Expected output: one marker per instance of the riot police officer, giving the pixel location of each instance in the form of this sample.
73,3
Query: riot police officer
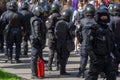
27,15
50,23
13,31
114,24
43,4
3,24
62,34
37,38
85,23
100,46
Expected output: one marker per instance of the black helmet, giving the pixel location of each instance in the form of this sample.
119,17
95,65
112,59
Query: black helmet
13,6
8,5
55,8
38,11
116,9
67,14
90,10
103,7
101,13
24,5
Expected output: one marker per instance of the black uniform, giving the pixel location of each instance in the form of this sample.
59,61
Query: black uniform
50,23
114,25
62,35
37,39
27,15
100,45
85,23
3,24
13,31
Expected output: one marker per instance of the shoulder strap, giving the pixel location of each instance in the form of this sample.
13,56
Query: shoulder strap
9,22
7,28
69,29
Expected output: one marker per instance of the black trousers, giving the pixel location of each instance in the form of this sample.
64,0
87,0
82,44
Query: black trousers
14,37
63,55
1,41
102,65
25,43
83,58
52,54
35,53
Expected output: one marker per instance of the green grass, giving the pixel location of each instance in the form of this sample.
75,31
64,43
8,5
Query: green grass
7,76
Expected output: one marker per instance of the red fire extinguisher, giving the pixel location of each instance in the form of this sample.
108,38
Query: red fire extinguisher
40,68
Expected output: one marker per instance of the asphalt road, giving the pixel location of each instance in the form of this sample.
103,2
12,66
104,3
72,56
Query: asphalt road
23,69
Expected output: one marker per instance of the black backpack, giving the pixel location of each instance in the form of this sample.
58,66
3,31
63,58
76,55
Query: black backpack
61,30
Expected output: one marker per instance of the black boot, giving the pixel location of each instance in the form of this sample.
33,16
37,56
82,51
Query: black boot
45,61
63,70
80,73
57,67
26,51
34,77
18,61
118,73
1,47
9,55
49,68
9,60
64,73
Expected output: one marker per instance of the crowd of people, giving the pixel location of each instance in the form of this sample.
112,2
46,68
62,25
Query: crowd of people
91,25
